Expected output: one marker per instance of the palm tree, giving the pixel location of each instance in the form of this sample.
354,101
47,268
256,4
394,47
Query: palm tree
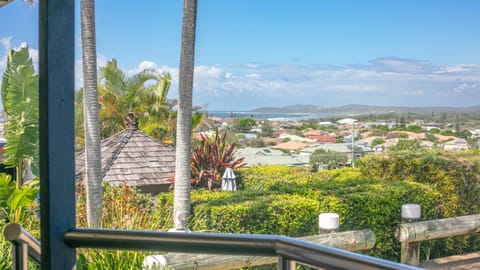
181,205
93,183
120,94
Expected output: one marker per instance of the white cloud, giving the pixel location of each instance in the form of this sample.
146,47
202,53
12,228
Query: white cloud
355,87
383,81
101,61
6,42
400,65
253,75
467,88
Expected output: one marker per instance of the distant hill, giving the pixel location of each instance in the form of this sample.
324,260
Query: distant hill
361,109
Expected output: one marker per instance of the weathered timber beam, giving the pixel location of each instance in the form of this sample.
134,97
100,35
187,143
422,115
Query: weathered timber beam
351,241
437,228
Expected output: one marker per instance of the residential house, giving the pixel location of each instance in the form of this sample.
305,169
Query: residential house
295,138
267,156
291,145
457,144
323,138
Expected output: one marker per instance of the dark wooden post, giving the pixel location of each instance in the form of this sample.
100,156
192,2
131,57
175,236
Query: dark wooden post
410,251
57,152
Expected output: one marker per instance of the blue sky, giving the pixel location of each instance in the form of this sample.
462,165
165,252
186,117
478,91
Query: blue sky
253,53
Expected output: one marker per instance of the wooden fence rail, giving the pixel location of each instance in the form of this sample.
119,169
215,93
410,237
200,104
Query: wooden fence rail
412,233
350,240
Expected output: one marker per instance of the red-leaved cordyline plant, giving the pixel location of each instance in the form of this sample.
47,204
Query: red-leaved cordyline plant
211,158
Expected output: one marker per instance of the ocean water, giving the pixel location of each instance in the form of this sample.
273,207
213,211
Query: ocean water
269,116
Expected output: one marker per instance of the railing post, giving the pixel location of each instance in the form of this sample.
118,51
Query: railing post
57,131
20,256
284,263
410,251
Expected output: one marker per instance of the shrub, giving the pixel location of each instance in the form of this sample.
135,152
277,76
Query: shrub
377,141
287,201
210,159
454,176
125,209
327,157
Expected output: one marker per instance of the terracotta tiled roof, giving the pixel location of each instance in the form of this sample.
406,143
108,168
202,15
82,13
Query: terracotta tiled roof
134,157
320,138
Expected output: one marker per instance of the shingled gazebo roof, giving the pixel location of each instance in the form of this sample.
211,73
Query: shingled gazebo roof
133,157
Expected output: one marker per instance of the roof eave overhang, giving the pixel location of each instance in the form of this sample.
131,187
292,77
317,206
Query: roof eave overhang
4,2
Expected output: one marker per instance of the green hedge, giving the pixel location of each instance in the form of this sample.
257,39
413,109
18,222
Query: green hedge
287,201
454,175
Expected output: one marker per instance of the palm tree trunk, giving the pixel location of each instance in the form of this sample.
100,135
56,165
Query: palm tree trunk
90,104
181,205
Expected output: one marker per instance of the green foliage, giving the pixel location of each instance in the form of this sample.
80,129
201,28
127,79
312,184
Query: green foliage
282,200
243,124
454,175
14,200
120,94
256,143
327,157
380,130
31,223
414,128
447,132
431,138
461,134
125,208
376,142
267,130
19,93
210,158
406,145
20,99
22,197
7,186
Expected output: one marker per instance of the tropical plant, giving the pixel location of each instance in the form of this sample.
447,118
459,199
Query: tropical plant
20,97
13,199
93,181
211,158
181,206
20,100
124,208
120,94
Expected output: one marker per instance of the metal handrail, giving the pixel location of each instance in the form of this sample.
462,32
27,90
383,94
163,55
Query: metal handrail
286,248
24,245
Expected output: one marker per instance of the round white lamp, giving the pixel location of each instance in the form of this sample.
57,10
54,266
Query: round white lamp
328,222
411,211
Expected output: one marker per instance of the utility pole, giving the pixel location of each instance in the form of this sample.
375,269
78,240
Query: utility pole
353,143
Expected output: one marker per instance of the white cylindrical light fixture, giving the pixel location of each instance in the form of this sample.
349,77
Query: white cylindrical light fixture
328,222
411,211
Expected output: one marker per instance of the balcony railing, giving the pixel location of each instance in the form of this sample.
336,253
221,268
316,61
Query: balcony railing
24,246
285,248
